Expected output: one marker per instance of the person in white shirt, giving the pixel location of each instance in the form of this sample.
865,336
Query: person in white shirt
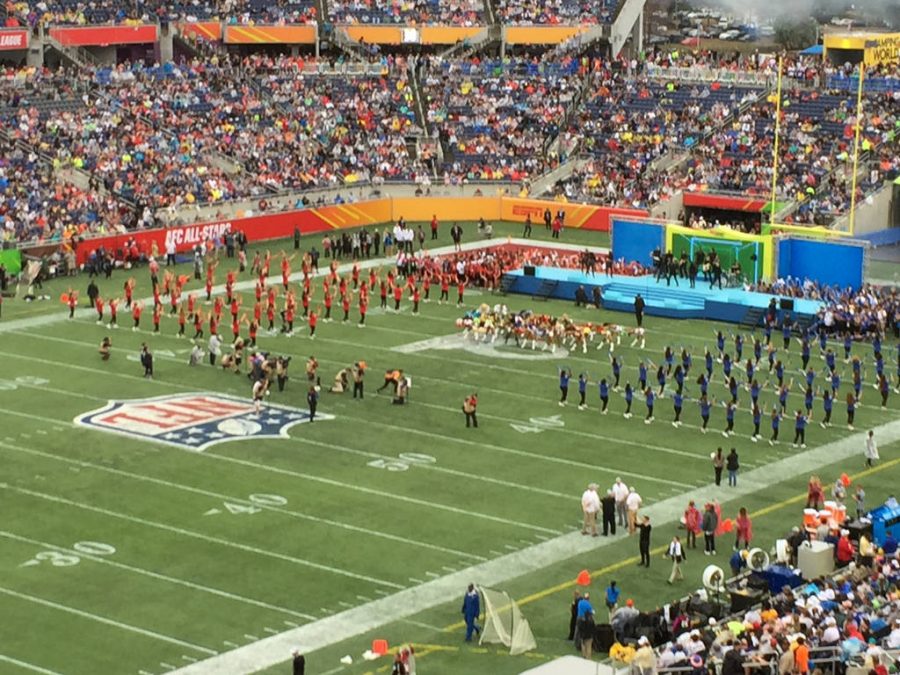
676,553
590,506
871,449
214,348
632,503
196,355
893,640
620,492
831,635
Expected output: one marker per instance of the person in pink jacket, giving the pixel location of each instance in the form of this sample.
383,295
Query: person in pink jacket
744,527
692,520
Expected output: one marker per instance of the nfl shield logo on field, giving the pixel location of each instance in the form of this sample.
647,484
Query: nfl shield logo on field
194,421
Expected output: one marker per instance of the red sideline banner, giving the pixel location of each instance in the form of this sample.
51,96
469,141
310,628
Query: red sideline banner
104,36
13,38
186,237
724,202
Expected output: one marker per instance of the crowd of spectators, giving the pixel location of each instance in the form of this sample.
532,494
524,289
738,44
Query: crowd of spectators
81,12
219,127
496,118
36,206
556,12
407,12
870,309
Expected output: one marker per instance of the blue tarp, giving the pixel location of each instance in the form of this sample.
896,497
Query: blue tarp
815,50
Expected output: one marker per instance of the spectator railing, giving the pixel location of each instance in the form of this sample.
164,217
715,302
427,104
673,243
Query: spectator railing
741,78
873,85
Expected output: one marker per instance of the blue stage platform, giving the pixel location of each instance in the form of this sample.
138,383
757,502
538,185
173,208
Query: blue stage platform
676,302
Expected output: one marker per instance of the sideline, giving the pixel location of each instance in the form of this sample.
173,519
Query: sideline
370,616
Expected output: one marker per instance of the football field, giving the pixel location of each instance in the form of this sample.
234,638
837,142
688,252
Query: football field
154,525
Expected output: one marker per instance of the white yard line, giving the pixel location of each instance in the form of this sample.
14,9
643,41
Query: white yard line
319,479
339,627
202,537
109,622
27,666
158,577
219,496
250,284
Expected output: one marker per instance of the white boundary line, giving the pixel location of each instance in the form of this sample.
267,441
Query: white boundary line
322,480
27,666
109,622
365,618
216,495
157,576
200,536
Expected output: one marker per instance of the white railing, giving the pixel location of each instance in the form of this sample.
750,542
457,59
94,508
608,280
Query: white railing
741,78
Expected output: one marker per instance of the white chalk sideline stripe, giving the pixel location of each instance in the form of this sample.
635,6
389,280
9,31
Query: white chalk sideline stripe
27,666
365,618
325,481
156,575
109,622
200,536
216,495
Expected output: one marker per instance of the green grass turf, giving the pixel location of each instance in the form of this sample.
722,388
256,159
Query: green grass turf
181,582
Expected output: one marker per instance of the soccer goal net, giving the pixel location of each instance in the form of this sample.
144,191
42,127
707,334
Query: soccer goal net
504,623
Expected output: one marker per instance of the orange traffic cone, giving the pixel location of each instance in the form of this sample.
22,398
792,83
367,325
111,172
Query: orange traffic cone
583,578
380,647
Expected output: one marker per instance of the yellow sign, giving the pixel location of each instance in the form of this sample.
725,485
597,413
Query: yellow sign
882,49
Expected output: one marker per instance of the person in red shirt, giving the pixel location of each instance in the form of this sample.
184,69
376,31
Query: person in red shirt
213,324
434,227
384,290
329,300
113,313
288,317
363,307
157,313
417,296
313,322
236,328
398,295
460,288
270,316
426,285
209,286
98,305
235,307
345,305
136,310
182,320
217,307
445,289
191,303
373,279
198,325
845,551
174,298
557,228
259,291
253,329
304,300
129,292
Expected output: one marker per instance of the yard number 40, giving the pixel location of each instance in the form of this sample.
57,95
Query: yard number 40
538,424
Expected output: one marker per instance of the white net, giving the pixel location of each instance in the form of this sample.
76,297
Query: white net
504,623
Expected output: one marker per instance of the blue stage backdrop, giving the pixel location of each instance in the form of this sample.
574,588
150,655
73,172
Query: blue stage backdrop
635,240
827,262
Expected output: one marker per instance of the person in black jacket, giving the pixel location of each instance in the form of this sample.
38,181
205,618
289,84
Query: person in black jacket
639,309
608,507
644,541
733,663
312,401
732,463
147,361
573,620
299,663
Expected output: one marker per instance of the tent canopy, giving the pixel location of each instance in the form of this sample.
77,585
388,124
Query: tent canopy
815,50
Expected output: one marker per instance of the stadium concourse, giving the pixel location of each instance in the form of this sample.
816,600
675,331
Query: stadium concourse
230,449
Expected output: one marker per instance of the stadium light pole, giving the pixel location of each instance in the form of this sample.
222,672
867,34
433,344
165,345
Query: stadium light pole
777,137
859,113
